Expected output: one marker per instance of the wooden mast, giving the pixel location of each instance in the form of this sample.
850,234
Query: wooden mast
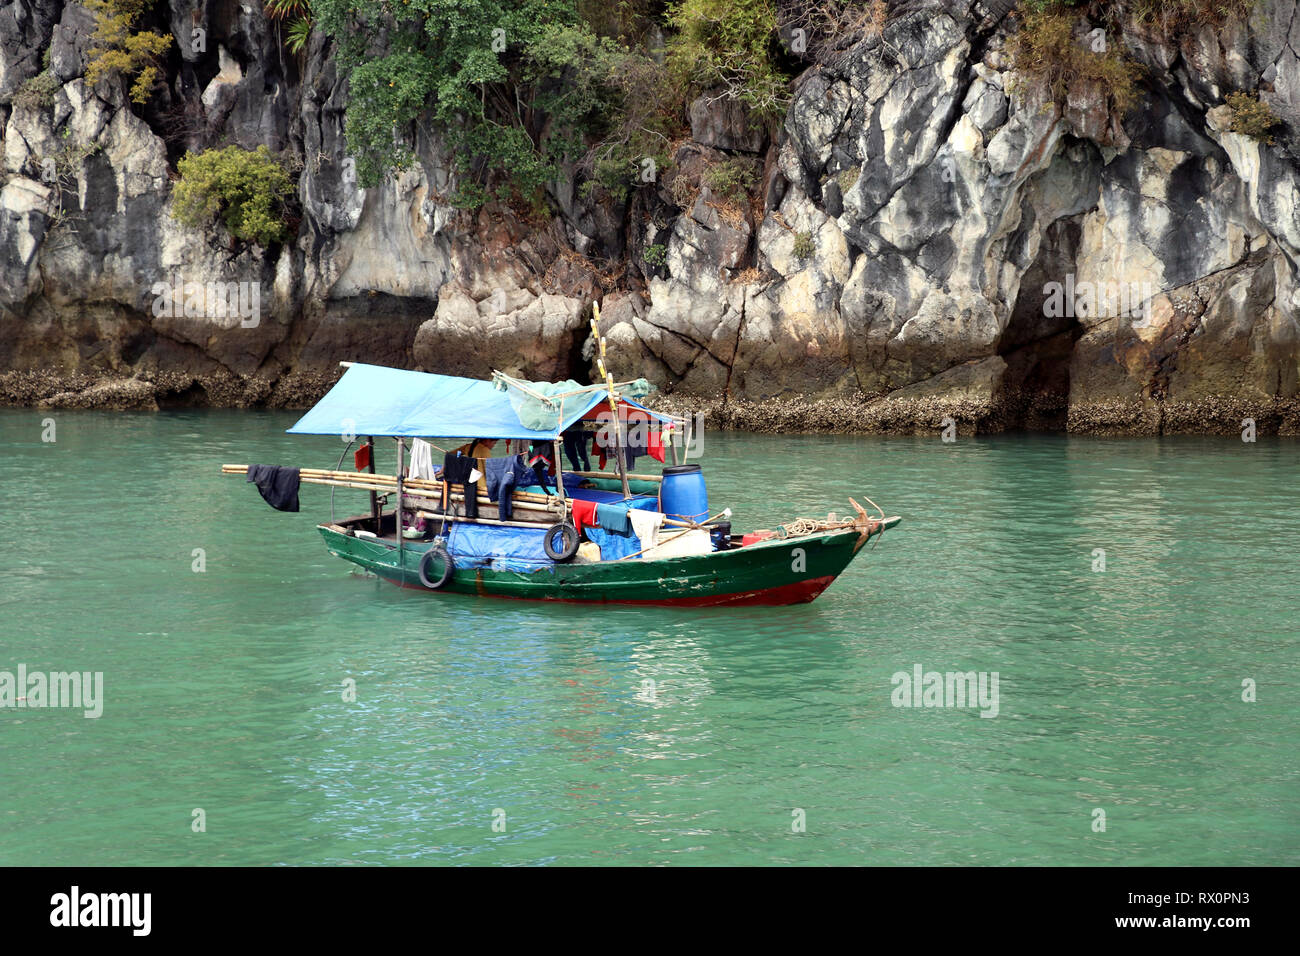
620,439
374,497
401,448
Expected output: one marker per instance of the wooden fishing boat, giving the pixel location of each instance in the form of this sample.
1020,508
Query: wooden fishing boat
435,538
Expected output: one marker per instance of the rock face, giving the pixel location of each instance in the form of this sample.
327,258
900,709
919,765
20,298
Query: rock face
924,237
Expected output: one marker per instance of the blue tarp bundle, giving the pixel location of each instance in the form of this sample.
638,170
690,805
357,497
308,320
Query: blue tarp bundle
374,400
498,548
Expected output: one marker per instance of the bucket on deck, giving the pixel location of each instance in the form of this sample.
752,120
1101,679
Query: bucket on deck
683,495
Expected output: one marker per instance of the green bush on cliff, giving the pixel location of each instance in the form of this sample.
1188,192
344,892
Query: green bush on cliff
729,45
298,13
1050,49
655,254
731,179
247,189
1046,50
1252,117
1166,18
519,89
1171,17
119,48
38,92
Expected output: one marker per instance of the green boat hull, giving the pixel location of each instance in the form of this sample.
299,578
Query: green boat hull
791,571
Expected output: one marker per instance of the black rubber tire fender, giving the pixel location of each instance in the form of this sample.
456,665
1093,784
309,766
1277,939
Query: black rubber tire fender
427,561
569,542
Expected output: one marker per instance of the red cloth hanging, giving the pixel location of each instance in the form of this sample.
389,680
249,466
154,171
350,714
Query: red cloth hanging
656,446
584,513
362,457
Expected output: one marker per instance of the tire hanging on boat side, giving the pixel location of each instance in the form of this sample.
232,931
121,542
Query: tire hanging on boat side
568,542
438,550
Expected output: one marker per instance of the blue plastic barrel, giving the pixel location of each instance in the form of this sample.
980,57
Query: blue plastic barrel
682,494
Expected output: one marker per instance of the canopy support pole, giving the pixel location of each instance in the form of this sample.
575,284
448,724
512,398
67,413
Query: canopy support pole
401,448
618,455
374,497
559,470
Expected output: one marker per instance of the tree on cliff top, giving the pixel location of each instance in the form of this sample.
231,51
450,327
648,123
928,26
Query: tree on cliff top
518,88
513,84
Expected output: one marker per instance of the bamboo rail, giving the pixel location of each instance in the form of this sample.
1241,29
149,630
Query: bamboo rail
528,501
421,492
614,475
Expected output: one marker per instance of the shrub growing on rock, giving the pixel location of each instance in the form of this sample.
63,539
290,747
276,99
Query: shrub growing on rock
1047,51
1172,17
731,179
298,15
803,245
38,92
728,45
1252,117
247,189
118,48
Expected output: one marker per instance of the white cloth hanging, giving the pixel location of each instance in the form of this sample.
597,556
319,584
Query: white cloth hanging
421,459
645,525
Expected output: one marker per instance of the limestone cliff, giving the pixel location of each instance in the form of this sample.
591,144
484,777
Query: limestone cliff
916,211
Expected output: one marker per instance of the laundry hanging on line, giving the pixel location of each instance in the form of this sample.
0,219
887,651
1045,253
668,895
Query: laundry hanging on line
645,525
584,514
459,470
503,476
421,460
277,484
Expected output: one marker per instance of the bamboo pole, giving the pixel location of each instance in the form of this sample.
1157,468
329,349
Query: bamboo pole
362,482
559,472
724,512
401,447
620,457
635,476
375,512
613,400
389,483
491,521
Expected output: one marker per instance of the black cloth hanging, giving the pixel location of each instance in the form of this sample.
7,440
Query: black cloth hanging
539,460
503,476
456,470
278,485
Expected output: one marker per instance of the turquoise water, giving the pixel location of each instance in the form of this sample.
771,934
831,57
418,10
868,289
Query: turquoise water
1119,690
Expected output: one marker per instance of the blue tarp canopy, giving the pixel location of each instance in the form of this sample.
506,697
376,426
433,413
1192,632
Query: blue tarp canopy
374,400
